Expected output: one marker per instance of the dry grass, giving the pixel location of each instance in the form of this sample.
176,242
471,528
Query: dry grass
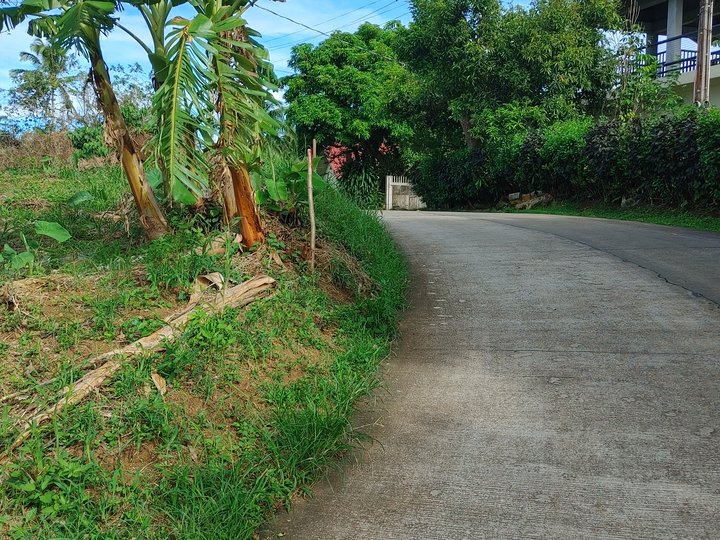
37,149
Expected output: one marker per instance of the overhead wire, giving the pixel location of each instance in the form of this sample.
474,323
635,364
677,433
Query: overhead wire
364,17
312,38
326,34
368,16
306,40
326,21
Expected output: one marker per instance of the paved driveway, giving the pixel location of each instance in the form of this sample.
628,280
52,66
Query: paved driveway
556,378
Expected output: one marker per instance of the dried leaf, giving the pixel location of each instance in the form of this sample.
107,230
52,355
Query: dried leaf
276,258
160,383
217,245
203,283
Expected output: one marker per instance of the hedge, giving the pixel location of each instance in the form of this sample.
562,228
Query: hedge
671,159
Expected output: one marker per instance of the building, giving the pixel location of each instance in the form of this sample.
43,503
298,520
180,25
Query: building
671,27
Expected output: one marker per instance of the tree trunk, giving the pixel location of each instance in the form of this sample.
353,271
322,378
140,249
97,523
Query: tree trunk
470,141
151,215
245,206
223,182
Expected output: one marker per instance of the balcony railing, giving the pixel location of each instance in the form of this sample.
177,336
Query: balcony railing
688,58
686,63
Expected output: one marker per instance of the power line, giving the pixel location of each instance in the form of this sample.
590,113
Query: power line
293,20
306,40
377,12
366,16
353,45
361,19
327,21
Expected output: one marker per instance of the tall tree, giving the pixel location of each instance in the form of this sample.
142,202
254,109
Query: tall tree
446,46
44,91
346,90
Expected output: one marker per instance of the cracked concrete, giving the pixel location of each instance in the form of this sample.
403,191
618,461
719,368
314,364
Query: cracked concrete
548,384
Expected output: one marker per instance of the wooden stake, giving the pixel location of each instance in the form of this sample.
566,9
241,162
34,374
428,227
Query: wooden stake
311,207
314,148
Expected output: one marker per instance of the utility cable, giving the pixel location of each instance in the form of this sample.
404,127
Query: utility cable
365,19
326,34
327,21
367,16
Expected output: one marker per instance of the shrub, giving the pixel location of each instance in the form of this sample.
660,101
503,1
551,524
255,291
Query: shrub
454,180
608,155
707,188
562,154
530,165
88,142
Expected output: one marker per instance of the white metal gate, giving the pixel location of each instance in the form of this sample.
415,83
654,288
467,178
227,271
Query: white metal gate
399,194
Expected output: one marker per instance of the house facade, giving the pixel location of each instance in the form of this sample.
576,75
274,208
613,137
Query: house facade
671,29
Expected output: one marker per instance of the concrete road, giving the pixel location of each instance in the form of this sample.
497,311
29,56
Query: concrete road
556,378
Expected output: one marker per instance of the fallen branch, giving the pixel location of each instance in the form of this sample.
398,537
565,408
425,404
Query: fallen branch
110,362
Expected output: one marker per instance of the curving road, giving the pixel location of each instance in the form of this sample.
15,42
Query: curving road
556,378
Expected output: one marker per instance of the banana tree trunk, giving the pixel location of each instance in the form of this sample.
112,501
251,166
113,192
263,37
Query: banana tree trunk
223,181
151,215
245,206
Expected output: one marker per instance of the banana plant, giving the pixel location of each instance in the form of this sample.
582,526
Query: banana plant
212,82
79,24
212,109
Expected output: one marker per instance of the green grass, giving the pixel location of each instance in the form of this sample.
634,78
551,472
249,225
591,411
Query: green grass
259,401
645,214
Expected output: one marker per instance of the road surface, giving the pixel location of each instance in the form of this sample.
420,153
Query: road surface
556,377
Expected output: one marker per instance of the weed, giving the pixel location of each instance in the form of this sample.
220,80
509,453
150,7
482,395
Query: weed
139,327
276,388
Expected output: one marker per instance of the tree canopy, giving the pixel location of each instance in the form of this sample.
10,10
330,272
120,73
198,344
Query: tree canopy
346,90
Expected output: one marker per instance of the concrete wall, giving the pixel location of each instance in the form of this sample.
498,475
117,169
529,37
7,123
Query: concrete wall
403,198
686,82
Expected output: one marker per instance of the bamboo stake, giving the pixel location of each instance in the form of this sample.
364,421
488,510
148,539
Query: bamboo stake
311,206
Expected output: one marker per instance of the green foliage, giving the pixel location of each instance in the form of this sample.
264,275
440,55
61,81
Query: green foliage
53,230
639,91
345,91
175,260
281,376
88,142
667,159
176,143
365,237
26,259
454,180
708,143
208,70
281,186
563,156
361,182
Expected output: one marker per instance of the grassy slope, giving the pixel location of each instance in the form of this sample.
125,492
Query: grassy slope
259,399
660,216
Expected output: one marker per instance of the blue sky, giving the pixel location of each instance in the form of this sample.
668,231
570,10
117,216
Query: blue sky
279,34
